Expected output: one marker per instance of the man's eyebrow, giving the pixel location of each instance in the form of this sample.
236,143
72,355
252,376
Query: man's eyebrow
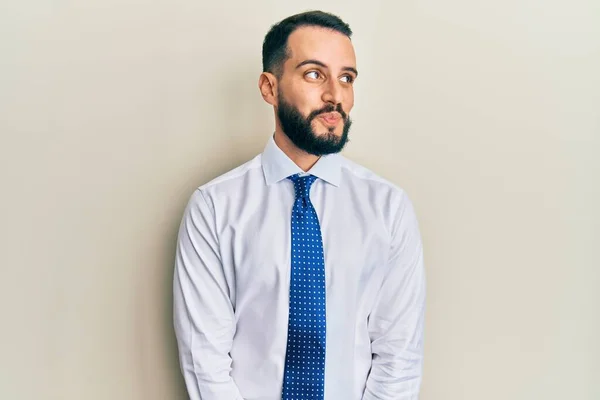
322,64
351,69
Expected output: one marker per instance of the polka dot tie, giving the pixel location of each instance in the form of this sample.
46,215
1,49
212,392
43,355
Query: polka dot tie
304,376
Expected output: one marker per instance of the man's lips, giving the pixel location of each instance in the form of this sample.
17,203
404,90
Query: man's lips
330,118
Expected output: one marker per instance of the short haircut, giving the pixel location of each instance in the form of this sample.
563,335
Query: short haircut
275,46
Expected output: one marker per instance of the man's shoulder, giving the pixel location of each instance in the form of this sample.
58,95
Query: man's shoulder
381,192
234,175
364,175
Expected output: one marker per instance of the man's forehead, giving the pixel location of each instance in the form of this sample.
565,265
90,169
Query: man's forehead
309,42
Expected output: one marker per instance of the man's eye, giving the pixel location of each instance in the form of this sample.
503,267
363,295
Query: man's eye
313,75
347,79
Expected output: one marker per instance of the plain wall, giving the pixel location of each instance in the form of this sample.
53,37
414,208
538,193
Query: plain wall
112,112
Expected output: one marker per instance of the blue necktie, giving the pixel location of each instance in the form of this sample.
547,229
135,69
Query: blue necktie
304,376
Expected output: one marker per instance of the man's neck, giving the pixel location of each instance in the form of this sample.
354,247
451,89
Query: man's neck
301,158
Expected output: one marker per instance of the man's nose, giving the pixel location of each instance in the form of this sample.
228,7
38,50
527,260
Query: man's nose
333,92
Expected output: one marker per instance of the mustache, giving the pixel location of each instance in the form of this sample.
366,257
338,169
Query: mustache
327,109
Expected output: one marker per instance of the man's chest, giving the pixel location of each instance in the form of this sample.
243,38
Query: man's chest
256,247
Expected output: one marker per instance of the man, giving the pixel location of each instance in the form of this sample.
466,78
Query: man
299,274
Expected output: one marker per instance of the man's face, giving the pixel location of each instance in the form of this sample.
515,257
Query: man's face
315,92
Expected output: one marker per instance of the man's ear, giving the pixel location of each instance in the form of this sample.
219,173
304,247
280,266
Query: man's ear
267,84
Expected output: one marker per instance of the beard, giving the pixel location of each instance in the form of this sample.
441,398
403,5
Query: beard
299,129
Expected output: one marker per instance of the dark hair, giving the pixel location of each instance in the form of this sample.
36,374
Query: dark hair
275,46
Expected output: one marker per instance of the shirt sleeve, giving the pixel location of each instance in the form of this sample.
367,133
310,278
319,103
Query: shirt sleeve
396,321
203,313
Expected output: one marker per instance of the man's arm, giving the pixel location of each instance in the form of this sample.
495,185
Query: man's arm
203,313
396,321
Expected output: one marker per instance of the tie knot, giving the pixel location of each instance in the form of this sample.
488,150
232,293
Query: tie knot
302,184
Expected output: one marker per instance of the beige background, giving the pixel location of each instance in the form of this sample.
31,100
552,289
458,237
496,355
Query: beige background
112,112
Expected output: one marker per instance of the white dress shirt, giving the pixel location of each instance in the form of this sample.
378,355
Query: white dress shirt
232,276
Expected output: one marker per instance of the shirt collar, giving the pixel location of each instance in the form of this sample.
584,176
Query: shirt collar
277,165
